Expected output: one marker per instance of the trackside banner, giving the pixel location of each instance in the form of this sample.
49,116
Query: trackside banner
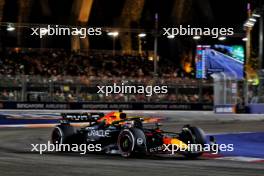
106,106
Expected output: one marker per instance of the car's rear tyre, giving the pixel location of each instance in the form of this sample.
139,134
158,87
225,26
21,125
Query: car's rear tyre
126,143
62,134
132,142
193,135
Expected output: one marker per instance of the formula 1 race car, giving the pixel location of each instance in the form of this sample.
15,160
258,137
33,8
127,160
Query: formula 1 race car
118,133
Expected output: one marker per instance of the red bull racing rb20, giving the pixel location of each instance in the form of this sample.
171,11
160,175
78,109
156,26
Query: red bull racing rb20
129,136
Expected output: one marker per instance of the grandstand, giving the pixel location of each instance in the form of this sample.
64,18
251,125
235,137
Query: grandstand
52,75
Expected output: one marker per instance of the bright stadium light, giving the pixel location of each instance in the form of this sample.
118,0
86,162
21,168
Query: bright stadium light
245,39
196,37
249,24
10,28
256,15
221,38
252,19
114,34
142,35
170,36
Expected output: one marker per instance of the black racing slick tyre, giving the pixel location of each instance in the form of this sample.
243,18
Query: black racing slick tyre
132,142
62,134
199,135
126,143
193,135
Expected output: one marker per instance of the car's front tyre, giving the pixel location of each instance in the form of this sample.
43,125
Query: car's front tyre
196,136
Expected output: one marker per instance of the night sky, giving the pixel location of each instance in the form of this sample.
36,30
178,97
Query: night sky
106,12
226,13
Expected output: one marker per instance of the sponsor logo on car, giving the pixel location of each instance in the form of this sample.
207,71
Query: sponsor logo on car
99,133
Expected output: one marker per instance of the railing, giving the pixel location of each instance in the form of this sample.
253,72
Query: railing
27,88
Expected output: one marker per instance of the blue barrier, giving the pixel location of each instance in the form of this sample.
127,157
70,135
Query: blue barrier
245,144
256,108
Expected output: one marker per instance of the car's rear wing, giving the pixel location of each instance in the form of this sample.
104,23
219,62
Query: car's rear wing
81,117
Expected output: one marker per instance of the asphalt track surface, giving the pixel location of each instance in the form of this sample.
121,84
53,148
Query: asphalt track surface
17,159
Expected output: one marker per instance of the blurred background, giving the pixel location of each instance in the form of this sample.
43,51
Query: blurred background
68,68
